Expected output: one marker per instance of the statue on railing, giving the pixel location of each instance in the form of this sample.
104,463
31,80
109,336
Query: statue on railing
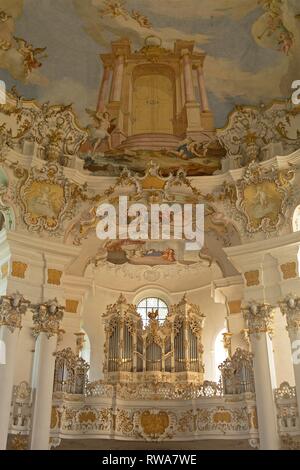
237,373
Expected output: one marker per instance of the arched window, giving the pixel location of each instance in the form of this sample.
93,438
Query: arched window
296,220
148,305
85,353
220,353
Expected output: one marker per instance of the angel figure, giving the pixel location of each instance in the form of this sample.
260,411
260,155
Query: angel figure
29,53
141,19
286,42
114,9
102,128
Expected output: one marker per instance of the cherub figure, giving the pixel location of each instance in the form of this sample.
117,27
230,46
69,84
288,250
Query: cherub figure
102,128
29,53
141,19
114,9
285,43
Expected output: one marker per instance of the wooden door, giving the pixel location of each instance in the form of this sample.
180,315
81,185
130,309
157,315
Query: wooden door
153,105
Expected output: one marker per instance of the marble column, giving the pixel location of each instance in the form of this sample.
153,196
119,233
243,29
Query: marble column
46,319
12,307
259,318
117,79
188,77
202,90
104,91
290,307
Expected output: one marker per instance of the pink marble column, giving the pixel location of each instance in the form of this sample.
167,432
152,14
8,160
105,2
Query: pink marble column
188,77
117,79
103,94
202,89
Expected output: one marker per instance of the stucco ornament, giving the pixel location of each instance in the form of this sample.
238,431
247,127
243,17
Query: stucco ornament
263,197
46,198
259,317
252,130
47,317
290,307
12,307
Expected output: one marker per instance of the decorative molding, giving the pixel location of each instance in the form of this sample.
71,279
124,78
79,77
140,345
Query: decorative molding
234,306
46,197
54,277
53,128
289,270
47,317
290,307
18,269
227,342
72,305
252,278
12,307
263,196
252,131
259,317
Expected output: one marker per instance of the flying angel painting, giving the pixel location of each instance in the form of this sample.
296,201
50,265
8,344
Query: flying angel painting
30,54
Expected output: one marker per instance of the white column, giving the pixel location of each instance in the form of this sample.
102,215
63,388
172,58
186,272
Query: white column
290,307
10,339
46,320
11,309
260,318
44,376
117,79
202,89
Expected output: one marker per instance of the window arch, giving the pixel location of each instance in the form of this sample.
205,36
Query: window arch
296,219
85,353
148,304
220,351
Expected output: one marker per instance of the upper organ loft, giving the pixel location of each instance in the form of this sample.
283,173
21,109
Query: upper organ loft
157,96
167,352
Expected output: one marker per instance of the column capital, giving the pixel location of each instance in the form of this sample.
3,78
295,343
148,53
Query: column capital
259,317
290,307
12,307
47,317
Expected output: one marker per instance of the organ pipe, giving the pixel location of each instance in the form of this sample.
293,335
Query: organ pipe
171,351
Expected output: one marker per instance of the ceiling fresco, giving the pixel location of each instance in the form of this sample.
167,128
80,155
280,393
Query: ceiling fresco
50,49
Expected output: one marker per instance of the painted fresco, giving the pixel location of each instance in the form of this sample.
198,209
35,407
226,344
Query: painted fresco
165,81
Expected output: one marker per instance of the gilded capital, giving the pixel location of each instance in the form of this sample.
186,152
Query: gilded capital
290,307
47,317
12,307
259,317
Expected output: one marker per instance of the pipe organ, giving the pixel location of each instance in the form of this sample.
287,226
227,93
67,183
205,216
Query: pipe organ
237,373
70,375
168,352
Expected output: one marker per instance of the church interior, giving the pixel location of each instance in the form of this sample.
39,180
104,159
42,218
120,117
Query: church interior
125,343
